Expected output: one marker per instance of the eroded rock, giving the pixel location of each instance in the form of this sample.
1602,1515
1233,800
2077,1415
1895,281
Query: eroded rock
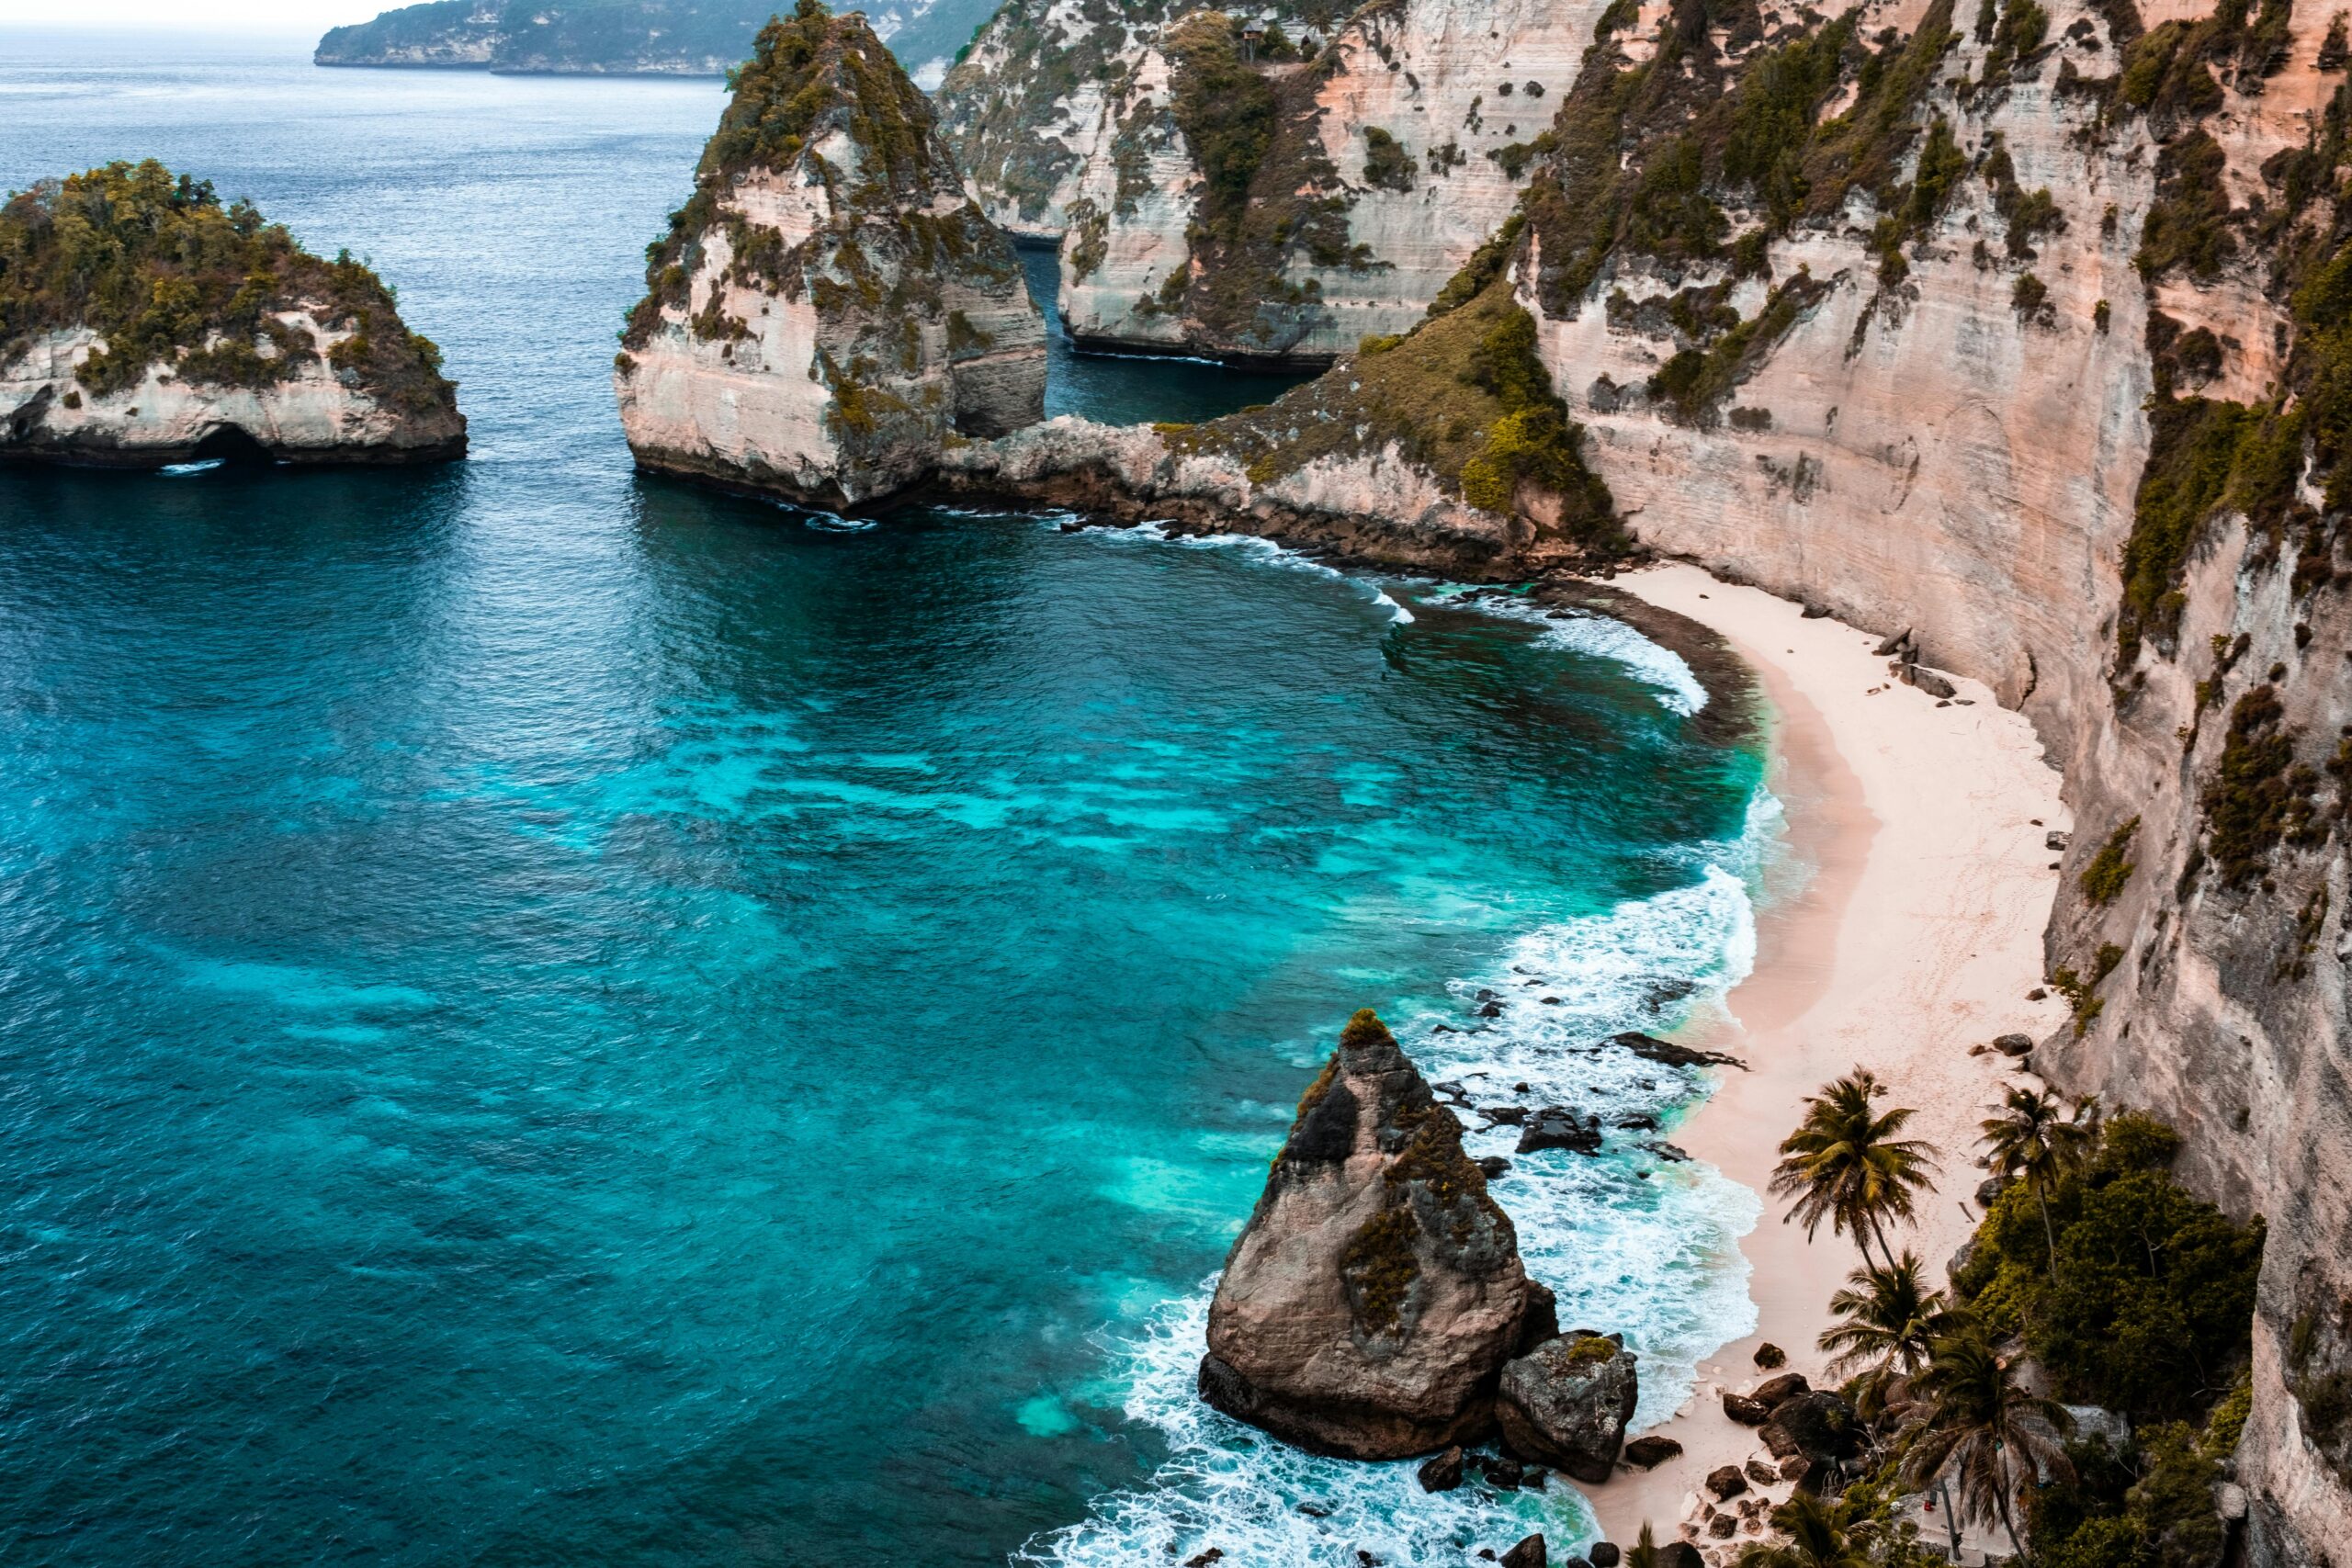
1369,1306
1565,1404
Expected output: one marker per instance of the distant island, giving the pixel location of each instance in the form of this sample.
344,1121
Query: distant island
665,38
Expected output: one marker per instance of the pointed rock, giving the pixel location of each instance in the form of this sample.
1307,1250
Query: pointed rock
1368,1307
831,309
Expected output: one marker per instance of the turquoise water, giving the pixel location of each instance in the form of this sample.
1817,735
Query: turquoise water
548,1017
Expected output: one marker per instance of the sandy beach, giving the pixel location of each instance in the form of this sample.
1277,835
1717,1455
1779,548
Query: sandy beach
1916,937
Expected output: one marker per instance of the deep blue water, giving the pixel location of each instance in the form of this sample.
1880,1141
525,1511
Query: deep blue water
551,1017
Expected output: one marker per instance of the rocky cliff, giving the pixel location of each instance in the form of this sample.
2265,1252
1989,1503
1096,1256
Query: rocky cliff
1271,197
144,323
829,309
2024,324
670,38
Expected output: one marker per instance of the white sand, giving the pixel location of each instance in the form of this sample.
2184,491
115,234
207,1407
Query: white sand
1917,936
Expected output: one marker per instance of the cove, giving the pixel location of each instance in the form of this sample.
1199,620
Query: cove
547,1016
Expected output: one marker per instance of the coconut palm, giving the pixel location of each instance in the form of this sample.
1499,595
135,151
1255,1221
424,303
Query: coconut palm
2032,1139
1643,1552
1813,1536
1889,1321
1983,1430
1845,1164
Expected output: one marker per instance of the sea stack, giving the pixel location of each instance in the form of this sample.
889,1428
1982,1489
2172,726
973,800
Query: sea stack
830,309
144,323
1371,1303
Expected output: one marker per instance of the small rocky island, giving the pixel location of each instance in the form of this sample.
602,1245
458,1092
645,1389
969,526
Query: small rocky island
142,322
1375,1306
831,309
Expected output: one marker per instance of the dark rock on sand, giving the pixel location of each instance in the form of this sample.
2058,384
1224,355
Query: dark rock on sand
1817,1425
1651,1451
1768,1356
1761,1473
1680,1554
1726,1482
1605,1554
1369,1306
1565,1404
1771,1390
1744,1409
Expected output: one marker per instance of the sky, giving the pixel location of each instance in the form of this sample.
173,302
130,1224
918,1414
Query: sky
188,15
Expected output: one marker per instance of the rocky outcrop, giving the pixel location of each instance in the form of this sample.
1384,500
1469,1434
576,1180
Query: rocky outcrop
144,322
1271,198
1565,1404
830,310
1370,1305
662,37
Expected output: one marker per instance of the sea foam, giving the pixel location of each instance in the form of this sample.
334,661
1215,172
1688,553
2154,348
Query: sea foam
1632,1240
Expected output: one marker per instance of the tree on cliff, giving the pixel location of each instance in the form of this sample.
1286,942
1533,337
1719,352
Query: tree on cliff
1845,1164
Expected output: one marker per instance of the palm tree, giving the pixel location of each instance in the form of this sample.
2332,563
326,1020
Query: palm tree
1845,1164
2031,1139
1643,1552
1984,1429
1890,1320
1814,1534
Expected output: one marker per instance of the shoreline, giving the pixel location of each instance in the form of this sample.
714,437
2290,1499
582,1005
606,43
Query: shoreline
1915,937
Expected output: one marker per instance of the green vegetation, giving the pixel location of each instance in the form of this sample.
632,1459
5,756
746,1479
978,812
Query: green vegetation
2104,878
156,265
1226,111
1982,1426
1386,164
2082,992
1888,1321
2188,227
1695,381
2134,1294
2259,796
1845,1164
808,70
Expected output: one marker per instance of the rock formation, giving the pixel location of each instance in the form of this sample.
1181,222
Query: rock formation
1372,1301
829,309
144,322
1565,1404
1270,199
663,38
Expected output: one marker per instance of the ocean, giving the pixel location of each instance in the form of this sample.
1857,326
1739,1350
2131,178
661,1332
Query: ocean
553,1016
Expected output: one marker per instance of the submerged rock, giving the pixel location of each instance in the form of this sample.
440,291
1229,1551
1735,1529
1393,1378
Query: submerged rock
1368,1307
144,322
1441,1472
1554,1127
1567,1402
831,309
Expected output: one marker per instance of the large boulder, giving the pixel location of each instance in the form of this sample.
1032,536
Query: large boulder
1567,1402
1817,1425
1369,1306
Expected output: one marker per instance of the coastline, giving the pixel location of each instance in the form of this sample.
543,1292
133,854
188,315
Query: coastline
1916,937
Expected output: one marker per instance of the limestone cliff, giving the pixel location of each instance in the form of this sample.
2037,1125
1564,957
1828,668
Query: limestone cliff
144,322
830,309
1272,197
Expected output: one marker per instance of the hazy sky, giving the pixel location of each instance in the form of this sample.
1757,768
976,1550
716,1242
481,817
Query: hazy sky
238,16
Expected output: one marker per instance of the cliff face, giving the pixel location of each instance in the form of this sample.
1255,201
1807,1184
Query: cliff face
829,309
2024,329
679,38
142,322
1259,199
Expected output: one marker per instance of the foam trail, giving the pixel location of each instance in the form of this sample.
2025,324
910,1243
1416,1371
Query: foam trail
182,470
1600,637
1631,1240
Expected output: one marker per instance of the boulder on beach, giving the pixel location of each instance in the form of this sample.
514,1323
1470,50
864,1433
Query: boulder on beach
1565,1404
1651,1451
1788,1385
1368,1307
1769,1355
1817,1425
1680,1554
1726,1481
1745,1409
1605,1554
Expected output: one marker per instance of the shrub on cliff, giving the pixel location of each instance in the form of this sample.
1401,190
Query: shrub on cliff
2149,1306
165,274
